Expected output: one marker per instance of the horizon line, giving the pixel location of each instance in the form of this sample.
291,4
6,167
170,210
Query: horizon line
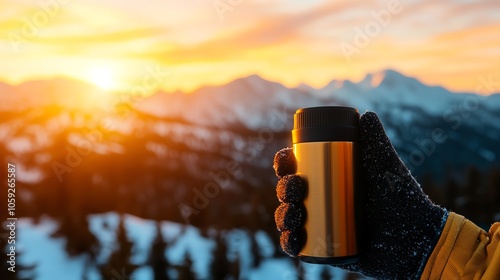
124,89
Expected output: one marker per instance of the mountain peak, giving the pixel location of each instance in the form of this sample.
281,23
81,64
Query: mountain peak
392,73
304,87
388,78
253,83
252,79
385,77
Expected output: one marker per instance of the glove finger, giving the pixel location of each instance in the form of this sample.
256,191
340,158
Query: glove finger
291,242
291,189
289,216
284,162
380,159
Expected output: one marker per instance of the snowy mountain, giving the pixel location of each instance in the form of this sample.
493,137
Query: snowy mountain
410,110
254,107
248,100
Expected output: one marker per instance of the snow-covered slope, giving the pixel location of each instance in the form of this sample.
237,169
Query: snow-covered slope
52,262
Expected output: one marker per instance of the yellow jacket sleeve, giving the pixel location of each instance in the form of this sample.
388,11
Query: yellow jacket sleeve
465,251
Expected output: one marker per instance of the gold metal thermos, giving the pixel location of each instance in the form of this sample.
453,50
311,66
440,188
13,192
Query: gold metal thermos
325,146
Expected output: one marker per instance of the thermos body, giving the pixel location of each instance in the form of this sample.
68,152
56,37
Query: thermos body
324,144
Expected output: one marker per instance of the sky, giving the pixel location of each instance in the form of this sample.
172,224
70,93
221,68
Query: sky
183,45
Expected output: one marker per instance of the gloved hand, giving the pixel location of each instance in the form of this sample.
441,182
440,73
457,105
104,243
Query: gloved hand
402,225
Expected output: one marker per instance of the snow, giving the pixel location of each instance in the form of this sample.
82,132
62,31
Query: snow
265,244
268,270
52,262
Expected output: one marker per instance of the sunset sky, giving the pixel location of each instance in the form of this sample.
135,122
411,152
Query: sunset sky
118,44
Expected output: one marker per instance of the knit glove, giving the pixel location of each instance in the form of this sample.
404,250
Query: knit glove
401,225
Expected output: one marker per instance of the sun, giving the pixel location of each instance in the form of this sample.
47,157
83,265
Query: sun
103,77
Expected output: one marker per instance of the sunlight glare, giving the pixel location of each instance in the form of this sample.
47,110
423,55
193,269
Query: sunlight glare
103,78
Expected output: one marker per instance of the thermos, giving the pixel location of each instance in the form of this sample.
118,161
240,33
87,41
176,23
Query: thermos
325,144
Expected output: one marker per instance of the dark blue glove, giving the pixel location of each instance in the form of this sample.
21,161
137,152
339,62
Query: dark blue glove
401,224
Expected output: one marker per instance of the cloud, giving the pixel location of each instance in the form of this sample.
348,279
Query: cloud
444,16
100,38
479,11
270,31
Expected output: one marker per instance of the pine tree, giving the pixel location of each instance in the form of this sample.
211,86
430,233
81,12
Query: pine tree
493,193
235,268
452,192
119,265
325,274
74,227
430,188
185,271
300,269
473,189
219,269
157,259
255,250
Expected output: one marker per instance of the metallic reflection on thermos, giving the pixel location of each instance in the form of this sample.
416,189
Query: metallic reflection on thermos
324,144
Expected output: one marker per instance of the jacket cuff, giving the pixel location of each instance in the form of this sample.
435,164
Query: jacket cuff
459,240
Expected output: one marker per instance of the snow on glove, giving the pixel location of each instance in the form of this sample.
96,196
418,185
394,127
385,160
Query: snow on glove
402,225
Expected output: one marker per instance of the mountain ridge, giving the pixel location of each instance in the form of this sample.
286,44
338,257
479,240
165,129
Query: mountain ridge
253,96
409,110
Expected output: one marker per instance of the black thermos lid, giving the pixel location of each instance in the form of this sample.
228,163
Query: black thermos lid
324,124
